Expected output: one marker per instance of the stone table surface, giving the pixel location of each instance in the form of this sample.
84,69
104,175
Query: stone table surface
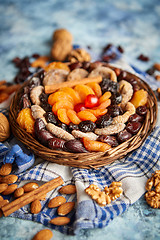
26,27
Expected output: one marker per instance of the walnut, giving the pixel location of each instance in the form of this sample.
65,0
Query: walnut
79,55
62,44
105,197
4,128
152,195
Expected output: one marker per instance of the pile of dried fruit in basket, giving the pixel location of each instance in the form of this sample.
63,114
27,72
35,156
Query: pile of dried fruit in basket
79,107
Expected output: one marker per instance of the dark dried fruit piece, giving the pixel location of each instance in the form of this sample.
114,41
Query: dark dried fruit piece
133,127
104,121
56,143
115,110
142,110
75,146
123,136
135,118
108,85
43,136
75,65
72,127
50,117
116,98
38,125
63,126
111,140
24,101
87,126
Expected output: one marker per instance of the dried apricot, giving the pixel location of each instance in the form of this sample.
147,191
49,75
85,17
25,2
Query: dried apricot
83,91
104,105
75,96
40,62
86,115
72,115
95,146
104,97
139,98
58,96
96,88
55,65
62,104
25,120
98,112
62,116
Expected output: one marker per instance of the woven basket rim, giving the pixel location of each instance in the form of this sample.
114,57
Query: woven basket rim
93,159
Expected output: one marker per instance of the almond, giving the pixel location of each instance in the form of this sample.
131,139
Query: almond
1,198
9,179
3,187
60,221
65,208
3,203
10,189
19,192
6,169
157,66
28,187
44,234
68,189
36,206
56,202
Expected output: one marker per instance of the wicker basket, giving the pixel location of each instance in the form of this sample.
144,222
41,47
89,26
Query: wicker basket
87,160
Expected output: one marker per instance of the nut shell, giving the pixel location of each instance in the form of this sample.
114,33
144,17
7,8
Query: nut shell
4,128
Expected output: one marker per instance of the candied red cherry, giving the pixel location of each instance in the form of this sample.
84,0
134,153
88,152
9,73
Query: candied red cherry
91,101
123,136
79,107
141,110
133,127
111,140
135,118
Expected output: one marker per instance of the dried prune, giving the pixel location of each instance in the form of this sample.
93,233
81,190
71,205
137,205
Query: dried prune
134,83
38,125
75,146
46,106
133,127
108,85
115,110
116,98
43,136
135,118
87,126
111,140
72,127
123,136
104,121
142,110
51,118
63,126
56,143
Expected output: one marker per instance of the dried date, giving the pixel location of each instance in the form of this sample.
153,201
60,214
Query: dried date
56,143
75,146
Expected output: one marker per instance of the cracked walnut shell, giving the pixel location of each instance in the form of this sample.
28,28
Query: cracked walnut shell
4,128
79,55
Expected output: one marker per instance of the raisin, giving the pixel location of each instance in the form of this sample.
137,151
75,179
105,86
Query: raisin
108,85
63,126
43,97
115,110
72,127
50,117
133,127
123,136
116,98
46,106
104,121
111,140
87,126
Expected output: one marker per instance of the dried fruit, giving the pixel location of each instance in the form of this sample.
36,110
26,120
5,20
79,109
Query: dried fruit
56,143
55,65
104,105
59,221
133,127
142,110
108,85
68,189
62,104
104,97
95,146
6,169
28,187
25,120
83,91
123,136
91,101
63,116
45,234
72,115
75,146
86,115
36,207
43,136
51,118
77,74
140,98
104,121
111,140
79,107
58,96
71,92
96,88
98,112
89,135
4,128
79,54
87,126
56,201
65,208
114,110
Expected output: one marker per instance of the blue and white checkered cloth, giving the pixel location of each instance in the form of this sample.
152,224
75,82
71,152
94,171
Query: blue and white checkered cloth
133,171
